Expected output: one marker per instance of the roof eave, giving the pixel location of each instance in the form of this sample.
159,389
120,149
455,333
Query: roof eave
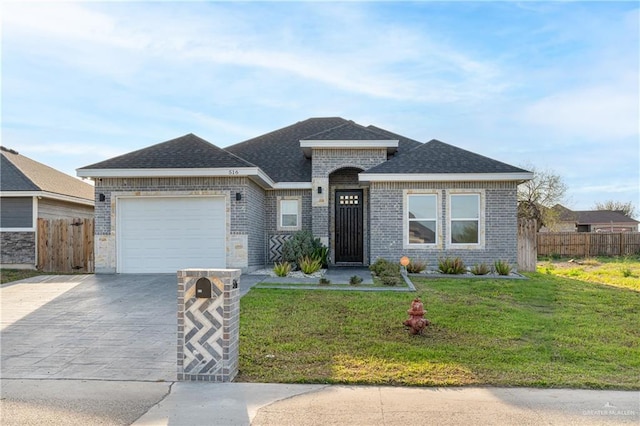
444,177
308,145
254,173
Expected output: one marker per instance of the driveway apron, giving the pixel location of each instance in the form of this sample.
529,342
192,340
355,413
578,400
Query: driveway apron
103,327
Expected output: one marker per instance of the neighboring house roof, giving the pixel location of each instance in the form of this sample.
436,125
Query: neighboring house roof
435,157
587,217
278,153
22,174
564,214
186,152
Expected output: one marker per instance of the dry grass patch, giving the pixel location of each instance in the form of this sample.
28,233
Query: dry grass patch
615,271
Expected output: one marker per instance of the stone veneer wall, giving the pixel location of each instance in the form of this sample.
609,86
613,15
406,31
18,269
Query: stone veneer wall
500,223
237,240
326,161
18,248
208,328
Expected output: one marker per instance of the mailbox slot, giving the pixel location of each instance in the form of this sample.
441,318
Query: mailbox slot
203,288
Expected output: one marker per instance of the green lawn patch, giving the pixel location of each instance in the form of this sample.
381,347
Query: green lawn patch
547,331
10,275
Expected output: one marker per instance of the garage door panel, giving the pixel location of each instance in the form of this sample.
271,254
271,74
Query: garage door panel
166,234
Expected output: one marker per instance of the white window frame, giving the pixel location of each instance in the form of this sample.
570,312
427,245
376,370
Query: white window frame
481,219
298,225
406,221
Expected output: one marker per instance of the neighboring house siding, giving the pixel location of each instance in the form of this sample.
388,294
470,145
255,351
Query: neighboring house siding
16,212
55,209
237,240
500,222
17,248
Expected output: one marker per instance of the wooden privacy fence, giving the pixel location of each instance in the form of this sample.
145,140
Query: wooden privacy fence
65,245
527,247
585,244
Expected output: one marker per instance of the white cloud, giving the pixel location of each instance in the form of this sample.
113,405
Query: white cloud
599,112
390,62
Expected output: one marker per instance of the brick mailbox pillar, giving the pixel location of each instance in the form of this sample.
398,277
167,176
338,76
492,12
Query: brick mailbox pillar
208,324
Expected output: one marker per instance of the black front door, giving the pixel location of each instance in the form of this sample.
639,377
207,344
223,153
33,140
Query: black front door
348,221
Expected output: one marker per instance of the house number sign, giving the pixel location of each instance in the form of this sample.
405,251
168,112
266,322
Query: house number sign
233,172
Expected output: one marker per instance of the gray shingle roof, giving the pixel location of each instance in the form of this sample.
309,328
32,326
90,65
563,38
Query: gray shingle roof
278,153
12,179
348,131
20,173
586,217
404,143
186,152
439,157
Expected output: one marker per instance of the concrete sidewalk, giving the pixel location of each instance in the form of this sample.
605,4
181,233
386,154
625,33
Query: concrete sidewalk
72,402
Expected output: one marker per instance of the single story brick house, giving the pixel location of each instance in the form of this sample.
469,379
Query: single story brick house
29,191
367,193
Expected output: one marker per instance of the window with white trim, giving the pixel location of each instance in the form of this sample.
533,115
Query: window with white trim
16,213
464,219
289,211
422,219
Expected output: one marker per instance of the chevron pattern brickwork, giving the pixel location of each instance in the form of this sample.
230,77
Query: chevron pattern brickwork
208,328
275,247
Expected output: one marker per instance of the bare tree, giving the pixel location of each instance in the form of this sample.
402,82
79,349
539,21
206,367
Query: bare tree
626,208
537,196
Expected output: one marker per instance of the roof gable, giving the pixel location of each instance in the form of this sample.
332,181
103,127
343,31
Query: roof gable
186,152
436,157
20,173
12,179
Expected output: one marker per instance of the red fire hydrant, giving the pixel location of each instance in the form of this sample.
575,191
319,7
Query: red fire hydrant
416,321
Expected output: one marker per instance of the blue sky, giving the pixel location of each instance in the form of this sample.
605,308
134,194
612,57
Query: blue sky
549,84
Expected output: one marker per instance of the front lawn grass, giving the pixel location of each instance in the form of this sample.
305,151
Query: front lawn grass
544,332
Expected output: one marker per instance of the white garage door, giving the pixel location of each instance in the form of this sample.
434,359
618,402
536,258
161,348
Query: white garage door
164,234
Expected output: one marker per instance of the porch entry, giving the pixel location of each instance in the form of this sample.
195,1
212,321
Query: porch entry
348,225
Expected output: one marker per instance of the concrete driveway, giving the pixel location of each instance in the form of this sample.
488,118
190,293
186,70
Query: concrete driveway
109,327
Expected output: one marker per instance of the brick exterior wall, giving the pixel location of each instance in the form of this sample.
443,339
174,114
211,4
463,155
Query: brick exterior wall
256,221
500,223
18,248
240,215
324,163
